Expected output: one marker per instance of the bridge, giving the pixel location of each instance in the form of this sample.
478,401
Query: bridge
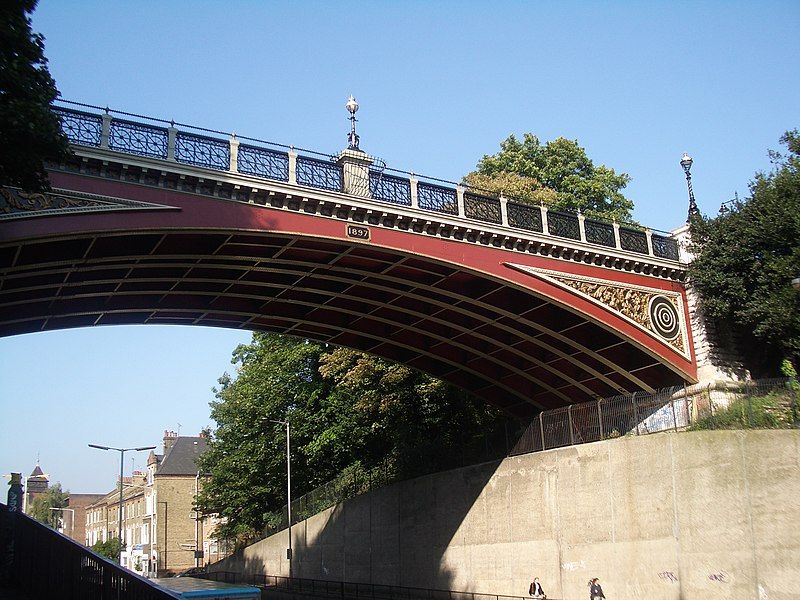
527,308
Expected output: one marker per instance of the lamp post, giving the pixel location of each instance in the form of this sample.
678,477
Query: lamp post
72,524
352,137
686,163
122,452
289,479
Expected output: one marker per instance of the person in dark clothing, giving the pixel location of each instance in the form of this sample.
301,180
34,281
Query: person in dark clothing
536,590
595,591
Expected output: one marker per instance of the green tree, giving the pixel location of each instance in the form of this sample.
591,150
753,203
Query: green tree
558,174
109,548
349,413
52,498
745,260
278,378
30,132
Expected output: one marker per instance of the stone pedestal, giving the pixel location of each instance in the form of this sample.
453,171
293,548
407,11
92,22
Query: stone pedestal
355,171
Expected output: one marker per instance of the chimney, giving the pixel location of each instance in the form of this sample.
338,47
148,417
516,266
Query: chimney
169,440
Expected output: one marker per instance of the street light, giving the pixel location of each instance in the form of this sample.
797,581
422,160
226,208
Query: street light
686,163
72,524
352,137
122,452
289,478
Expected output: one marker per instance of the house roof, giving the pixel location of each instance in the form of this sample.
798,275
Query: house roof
181,458
37,472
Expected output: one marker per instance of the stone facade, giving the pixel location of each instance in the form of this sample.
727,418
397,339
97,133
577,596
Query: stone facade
715,353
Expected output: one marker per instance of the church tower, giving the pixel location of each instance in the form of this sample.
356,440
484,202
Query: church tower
37,484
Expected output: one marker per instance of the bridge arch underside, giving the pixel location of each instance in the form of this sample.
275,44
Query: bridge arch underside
515,349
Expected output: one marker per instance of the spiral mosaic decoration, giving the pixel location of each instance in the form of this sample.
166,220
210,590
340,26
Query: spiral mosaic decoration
664,317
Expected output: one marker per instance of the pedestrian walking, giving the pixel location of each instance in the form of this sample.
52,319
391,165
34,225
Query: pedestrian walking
595,591
536,590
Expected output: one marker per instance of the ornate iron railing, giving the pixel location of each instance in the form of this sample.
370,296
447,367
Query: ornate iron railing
665,247
389,188
261,162
598,232
81,128
321,174
135,138
563,225
202,151
524,216
437,198
154,141
633,240
482,208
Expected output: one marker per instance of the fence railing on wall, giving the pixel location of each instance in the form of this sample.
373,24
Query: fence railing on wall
303,587
771,403
47,564
321,171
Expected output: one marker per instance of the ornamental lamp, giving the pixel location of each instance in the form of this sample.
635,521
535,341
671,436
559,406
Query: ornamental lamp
352,137
686,163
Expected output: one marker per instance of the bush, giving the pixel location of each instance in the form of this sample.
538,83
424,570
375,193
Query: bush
776,410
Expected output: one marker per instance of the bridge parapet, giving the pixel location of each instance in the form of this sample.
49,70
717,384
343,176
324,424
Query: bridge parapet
425,204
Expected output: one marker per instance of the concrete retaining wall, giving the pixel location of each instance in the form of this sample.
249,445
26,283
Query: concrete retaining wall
674,515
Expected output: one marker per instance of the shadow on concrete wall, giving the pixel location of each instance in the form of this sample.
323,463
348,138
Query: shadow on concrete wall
397,535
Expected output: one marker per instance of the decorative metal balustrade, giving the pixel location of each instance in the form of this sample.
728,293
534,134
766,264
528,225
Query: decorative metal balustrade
170,143
633,240
598,232
202,151
135,138
665,247
83,129
482,208
524,216
438,198
321,174
563,225
389,188
261,162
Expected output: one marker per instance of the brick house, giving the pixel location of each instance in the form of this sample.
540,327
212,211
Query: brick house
162,533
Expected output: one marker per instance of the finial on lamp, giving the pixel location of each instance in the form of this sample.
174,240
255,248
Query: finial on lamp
352,137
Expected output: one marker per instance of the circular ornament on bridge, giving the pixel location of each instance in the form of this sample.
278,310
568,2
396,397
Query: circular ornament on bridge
664,317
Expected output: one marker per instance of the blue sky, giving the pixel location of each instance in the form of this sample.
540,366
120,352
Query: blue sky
440,84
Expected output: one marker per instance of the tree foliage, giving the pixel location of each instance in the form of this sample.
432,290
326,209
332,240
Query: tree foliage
110,548
558,174
52,498
347,411
745,260
30,132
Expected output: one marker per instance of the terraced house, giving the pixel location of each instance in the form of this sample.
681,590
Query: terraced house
162,533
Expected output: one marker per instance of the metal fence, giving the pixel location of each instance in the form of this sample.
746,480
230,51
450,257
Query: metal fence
273,585
766,403
47,564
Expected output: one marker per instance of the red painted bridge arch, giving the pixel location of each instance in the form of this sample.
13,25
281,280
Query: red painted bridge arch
524,322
